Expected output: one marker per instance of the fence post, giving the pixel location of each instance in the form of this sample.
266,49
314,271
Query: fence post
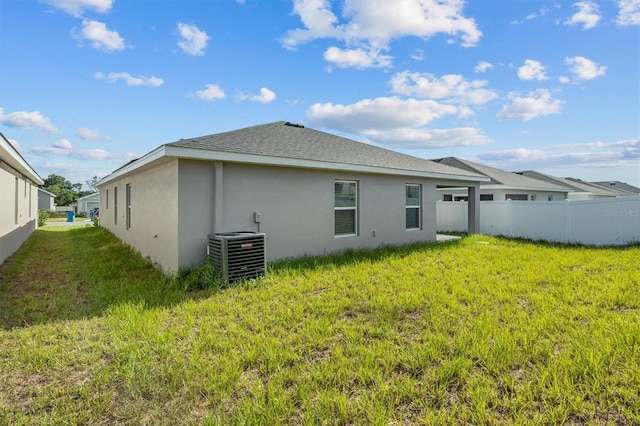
567,221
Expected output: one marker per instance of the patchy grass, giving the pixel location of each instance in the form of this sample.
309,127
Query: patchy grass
479,331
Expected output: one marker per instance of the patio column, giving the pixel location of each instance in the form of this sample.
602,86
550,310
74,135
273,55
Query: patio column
473,224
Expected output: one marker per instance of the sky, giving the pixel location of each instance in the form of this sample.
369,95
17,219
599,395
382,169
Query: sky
551,86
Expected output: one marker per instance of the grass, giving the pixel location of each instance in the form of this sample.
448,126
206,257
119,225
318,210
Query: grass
478,331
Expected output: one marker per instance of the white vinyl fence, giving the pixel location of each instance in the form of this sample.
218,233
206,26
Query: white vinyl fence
593,222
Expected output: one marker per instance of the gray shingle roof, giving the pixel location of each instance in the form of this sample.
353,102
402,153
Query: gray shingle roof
570,184
284,140
500,177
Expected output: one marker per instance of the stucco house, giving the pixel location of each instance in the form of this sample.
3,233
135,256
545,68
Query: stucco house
577,189
18,199
502,185
46,200
87,203
622,189
310,192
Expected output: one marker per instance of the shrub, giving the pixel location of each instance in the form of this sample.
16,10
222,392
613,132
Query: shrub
43,215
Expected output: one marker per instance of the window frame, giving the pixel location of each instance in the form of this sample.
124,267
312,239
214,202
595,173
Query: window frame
413,207
115,205
346,208
128,206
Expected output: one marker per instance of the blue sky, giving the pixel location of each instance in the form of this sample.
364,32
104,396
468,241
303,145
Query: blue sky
87,85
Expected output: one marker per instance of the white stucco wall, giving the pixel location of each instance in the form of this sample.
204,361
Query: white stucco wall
177,204
18,211
297,207
154,212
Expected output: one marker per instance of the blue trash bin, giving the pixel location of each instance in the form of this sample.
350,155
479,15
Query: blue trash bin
70,216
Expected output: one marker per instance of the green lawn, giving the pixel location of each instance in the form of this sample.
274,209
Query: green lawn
478,331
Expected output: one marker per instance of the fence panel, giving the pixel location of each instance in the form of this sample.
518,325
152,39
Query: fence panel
595,222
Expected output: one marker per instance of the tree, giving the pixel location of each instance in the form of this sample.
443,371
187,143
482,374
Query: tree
65,191
91,184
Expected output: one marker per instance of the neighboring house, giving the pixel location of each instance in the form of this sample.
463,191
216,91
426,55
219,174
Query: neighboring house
46,200
87,203
18,199
620,188
577,189
310,192
502,185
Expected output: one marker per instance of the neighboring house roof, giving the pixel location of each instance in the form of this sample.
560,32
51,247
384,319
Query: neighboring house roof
620,188
94,195
287,144
501,178
10,156
47,192
570,184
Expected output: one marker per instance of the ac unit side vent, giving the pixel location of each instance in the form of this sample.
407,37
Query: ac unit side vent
238,255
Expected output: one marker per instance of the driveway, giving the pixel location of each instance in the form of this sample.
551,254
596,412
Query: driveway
74,223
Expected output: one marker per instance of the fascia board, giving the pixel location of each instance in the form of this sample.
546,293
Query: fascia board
154,155
199,154
232,157
16,161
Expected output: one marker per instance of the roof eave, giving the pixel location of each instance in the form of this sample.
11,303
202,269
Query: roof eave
233,157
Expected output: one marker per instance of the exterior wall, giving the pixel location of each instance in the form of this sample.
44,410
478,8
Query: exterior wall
46,201
18,211
154,212
177,204
613,221
89,202
501,194
297,207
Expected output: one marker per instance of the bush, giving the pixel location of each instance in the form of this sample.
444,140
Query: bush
43,215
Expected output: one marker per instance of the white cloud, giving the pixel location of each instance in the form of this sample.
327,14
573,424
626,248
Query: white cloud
532,70
450,87
130,80
265,96
357,58
89,134
572,155
588,15
211,92
27,120
543,11
430,138
192,40
77,7
483,66
379,114
64,148
629,13
368,27
16,145
536,104
100,36
585,69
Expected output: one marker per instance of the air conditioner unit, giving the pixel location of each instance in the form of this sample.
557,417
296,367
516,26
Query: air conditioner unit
238,255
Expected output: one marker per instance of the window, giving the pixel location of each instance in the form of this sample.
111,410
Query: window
16,201
128,196
461,198
486,197
346,207
115,205
447,197
517,197
412,206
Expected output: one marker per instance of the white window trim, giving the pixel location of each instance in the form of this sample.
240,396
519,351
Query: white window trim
355,210
419,207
